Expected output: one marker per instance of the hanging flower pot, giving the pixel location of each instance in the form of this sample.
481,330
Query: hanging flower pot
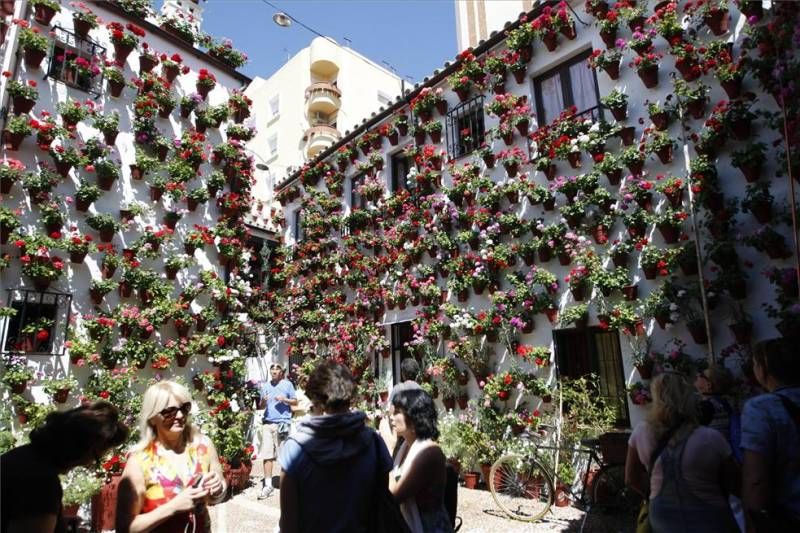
688,69
61,395
77,258
627,134
43,14
612,70
619,113
155,193
645,369
636,167
107,235
636,23
115,87
620,259
631,292
609,38
550,40
147,63
741,129
419,136
649,76
511,169
696,108
742,331
564,259
121,52
698,331
96,296
108,271
650,272
12,140
203,90
578,292
574,159
545,253
519,76
733,88
463,94
600,234
665,154
718,21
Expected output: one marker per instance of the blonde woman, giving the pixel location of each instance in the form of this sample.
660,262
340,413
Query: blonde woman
688,469
172,472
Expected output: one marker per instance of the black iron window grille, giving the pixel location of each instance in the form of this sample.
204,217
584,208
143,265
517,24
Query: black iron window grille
40,325
76,62
465,127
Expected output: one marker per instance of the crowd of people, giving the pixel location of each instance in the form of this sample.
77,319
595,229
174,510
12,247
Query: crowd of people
701,465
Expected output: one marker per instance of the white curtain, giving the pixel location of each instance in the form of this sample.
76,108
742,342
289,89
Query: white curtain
552,98
583,91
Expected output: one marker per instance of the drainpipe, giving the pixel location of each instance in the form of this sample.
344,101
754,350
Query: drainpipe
710,356
792,200
13,51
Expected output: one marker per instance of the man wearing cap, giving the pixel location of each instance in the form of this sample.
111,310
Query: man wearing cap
277,399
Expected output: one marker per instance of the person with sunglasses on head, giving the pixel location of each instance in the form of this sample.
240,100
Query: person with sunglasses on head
172,472
30,488
277,399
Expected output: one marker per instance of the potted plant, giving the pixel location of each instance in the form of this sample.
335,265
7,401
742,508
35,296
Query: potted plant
758,200
694,96
116,79
608,60
662,145
65,158
23,95
80,485
633,157
72,112
83,19
617,102
8,223
44,10
206,81
100,287
124,41
104,224
646,67
11,171
51,216
78,246
750,160
577,314
17,128
17,374
58,388
34,45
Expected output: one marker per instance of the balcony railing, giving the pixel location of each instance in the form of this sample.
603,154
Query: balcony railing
323,97
320,137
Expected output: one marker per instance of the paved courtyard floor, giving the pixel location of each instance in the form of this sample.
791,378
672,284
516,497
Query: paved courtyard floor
244,513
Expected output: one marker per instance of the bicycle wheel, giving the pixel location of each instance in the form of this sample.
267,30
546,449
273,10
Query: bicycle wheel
521,487
609,491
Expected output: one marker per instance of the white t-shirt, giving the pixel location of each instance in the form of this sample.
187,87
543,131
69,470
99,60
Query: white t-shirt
705,452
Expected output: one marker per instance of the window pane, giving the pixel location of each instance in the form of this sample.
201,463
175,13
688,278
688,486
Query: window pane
552,97
583,87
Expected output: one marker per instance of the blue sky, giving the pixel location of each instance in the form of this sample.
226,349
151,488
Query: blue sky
414,36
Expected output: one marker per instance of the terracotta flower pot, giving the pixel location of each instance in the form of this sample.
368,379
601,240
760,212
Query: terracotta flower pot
43,14
121,52
649,76
550,40
147,63
471,480
619,113
12,140
115,87
698,332
22,104
612,70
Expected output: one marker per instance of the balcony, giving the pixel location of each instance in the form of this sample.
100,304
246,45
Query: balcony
319,138
323,97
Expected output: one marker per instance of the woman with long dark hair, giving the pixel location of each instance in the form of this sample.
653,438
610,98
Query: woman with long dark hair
419,476
30,488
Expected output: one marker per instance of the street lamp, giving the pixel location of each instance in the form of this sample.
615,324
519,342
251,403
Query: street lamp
282,19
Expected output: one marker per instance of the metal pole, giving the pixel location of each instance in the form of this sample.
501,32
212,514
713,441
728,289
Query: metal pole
698,255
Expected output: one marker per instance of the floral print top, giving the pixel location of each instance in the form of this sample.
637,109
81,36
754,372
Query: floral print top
166,474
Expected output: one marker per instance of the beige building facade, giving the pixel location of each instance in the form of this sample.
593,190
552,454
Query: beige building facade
306,106
477,19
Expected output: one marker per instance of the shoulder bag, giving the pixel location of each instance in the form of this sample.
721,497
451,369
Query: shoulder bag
385,515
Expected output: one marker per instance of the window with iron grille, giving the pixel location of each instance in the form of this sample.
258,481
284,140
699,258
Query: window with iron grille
297,228
568,84
76,62
465,127
400,170
41,323
356,200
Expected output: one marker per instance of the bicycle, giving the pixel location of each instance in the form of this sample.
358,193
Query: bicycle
523,485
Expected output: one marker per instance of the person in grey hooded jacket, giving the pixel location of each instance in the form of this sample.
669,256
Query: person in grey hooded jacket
331,462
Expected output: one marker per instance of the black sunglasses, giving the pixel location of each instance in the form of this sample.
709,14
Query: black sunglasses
172,412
